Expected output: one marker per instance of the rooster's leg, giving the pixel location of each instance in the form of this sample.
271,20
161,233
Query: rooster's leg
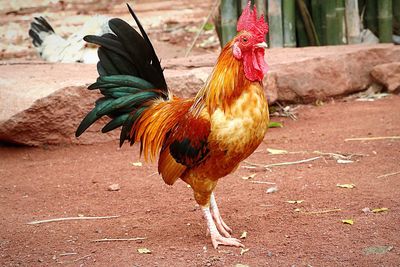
216,237
221,225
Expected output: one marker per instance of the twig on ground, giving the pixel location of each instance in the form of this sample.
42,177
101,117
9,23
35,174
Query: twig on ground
280,163
72,218
68,254
82,258
322,211
287,111
118,239
371,138
388,174
261,182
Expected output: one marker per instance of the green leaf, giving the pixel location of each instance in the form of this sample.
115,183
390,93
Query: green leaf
208,27
274,124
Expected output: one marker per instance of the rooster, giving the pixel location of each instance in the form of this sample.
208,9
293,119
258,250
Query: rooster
200,139
54,48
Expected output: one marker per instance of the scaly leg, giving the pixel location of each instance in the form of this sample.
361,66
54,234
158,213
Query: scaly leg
221,225
216,237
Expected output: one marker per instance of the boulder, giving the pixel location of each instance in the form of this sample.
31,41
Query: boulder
42,103
389,75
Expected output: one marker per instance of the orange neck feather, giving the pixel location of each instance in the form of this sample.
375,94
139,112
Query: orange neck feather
226,83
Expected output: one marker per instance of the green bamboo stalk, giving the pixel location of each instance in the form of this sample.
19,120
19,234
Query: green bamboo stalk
261,6
289,23
396,17
341,24
396,10
275,23
371,16
352,22
302,39
308,23
319,23
331,23
228,20
385,21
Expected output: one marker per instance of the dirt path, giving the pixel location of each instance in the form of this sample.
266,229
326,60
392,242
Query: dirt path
38,183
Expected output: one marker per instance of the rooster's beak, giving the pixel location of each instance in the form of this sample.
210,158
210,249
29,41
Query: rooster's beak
262,45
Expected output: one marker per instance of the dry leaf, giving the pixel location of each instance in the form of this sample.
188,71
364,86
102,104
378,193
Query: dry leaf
249,177
295,201
377,250
346,185
114,187
137,164
344,161
144,251
244,250
348,221
276,151
379,210
243,235
297,210
241,265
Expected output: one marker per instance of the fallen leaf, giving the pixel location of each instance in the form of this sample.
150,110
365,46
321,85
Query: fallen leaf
348,221
241,265
346,185
276,151
144,251
297,210
137,164
114,187
243,235
379,210
295,201
366,210
249,176
274,124
377,250
344,161
244,250
272,190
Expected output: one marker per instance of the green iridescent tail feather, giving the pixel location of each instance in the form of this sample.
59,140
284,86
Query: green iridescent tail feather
130,77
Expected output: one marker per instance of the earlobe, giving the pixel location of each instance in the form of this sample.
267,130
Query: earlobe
237,53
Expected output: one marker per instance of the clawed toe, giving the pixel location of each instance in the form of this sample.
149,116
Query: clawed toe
225,241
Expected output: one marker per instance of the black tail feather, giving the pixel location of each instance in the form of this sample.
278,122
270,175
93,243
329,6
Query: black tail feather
131,77
39,24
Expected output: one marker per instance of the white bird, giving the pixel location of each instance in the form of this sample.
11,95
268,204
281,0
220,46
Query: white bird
54,48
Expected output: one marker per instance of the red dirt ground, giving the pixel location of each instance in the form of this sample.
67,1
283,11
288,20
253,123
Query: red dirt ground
53,182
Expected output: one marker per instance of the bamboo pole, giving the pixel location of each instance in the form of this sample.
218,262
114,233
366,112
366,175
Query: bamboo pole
371,15
396,17
308,23
261,6
385,21
319,23
352,22
275,23
289,23
302,39
341,24
228,20
331,23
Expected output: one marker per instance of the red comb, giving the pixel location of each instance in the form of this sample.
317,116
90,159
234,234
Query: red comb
248,21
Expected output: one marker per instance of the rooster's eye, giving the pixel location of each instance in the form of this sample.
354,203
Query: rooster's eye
244,39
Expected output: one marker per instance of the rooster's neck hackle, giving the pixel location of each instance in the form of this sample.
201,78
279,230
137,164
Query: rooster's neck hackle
225,84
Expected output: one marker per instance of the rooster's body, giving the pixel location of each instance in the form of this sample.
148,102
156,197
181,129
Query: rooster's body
198,140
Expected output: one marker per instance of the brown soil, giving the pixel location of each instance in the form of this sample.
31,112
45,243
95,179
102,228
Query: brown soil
54,182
